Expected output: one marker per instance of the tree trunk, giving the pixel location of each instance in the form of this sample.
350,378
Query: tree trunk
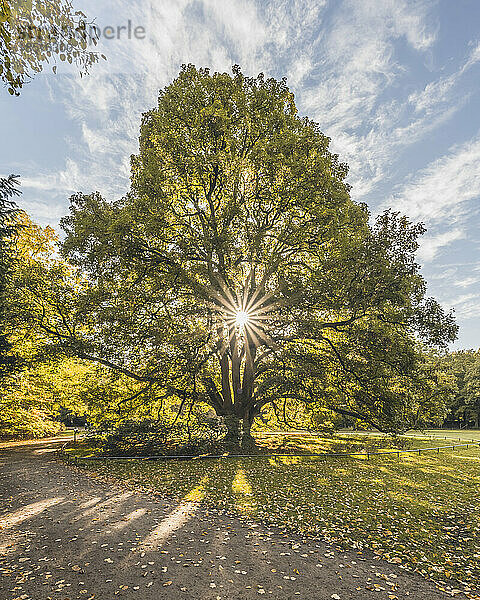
248,441
232,399
238,437
234,430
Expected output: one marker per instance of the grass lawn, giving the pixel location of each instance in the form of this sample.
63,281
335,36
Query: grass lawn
449,434
420,510
434,434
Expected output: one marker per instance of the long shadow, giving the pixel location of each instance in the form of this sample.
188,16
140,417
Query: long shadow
95,540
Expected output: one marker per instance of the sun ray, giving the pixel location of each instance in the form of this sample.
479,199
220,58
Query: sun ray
262,335
252,304
254,337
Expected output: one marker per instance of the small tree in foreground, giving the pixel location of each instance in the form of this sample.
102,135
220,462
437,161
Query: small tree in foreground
238,272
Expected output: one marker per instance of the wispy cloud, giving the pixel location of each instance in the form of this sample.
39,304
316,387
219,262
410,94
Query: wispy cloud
357,93
432,244
325,48
441,192
466,306
467,282
441,196
345,78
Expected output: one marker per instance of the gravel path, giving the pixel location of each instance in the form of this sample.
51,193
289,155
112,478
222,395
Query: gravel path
65,535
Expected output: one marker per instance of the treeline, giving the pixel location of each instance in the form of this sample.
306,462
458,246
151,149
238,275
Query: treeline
463,409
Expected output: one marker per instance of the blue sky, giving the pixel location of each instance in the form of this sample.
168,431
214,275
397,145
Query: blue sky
394,83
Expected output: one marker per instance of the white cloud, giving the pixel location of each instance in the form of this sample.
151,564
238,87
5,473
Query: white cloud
74,179
328,48
441,192
467,282
432,244
441,196
441,92
108,103
350,97
466,306
474,57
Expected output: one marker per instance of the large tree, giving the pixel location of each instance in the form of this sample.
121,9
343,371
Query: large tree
239,272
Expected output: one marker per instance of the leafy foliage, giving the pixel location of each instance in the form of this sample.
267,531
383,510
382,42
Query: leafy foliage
464,368
33,32
32,401
31,398
9,228
198,434
237,205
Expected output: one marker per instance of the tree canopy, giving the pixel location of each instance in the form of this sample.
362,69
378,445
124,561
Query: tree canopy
239,273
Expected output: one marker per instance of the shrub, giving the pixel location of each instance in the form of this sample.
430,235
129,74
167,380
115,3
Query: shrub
149,437
27,424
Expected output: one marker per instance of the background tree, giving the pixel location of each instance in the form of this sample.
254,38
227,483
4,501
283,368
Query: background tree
31,398
34,32
464,367
238,272
9,227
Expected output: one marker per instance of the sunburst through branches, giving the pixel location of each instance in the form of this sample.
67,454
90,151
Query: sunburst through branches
245,313
241,318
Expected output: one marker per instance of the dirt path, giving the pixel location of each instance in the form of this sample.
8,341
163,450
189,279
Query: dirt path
65,535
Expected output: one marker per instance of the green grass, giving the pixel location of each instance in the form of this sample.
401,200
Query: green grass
422,510
433,434
449,434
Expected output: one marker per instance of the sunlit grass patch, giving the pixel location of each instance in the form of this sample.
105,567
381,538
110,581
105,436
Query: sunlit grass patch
305,443
197,494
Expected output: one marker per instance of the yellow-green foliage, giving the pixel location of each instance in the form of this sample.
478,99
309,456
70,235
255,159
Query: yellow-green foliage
31,398
19,423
